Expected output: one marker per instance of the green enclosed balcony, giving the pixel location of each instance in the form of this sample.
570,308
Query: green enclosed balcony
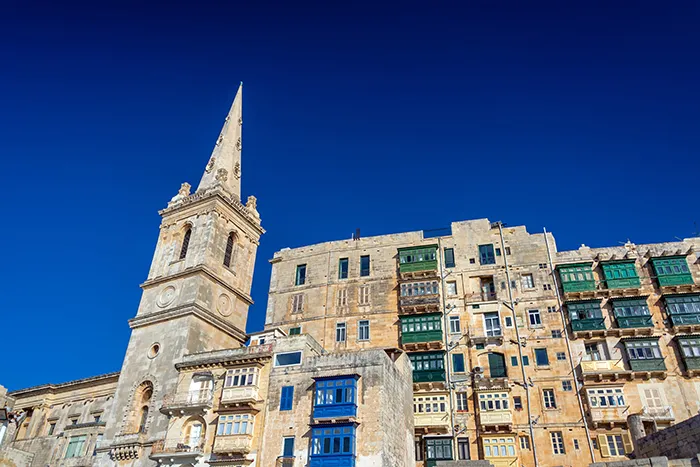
632,313
690,350
684,310
586,316
428,367
621,275
672,270
576,277
416,259
422,329
652,364
644,354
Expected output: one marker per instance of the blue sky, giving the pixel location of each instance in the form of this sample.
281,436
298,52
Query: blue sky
579,118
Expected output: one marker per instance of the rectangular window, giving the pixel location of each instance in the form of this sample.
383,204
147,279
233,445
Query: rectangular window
492,325
429,404
624,308
451,288
566,385
547,287
458,362
340,332
240,424
489,402
455,327
528,281
526,360
561,356
513,361
534,317
449,257
298,303
52,428
486,254
667,268
549,401
508,321
543,265
606,397
643,349
541,357
427,361
495,447
690,346
438,448
551,309
288,359
616,446
335,391
343,265
287,398
421,323
592,352
301,275
337,441
576,446
462,402
295,331
414,289
682,305
517,403
364,266
241,377
364,295
524,442
463,448
76,445
363,330
557,442
342,297
508,250
288,447
556,334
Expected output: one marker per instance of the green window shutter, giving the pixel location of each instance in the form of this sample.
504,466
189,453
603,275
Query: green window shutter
497,365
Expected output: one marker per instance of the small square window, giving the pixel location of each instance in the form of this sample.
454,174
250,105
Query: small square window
551,309
518,403
556,333
561,356
479,346
472,261
543,265
566,385
547,286
295,331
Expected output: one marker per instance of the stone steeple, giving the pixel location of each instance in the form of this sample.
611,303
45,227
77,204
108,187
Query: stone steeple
224,166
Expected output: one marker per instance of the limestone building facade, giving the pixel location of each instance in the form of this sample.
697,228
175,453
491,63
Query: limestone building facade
484,342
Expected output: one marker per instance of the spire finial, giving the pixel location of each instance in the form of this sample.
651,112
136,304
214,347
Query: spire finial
224,166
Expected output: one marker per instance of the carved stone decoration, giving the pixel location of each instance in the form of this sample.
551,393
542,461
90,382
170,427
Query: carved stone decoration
239,145
210,164
237,170
223,305
252,203
184,189
240,122
166,296
221,175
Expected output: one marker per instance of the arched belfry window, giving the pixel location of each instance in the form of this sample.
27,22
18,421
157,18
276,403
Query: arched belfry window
140,408
228,254
185,243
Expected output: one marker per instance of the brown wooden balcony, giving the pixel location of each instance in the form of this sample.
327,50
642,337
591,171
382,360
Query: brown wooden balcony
419,304
230,444
187,402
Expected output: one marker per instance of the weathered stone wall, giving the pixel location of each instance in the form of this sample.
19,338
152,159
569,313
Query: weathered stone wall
676,442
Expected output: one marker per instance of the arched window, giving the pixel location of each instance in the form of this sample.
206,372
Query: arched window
185,243
228,254
144,418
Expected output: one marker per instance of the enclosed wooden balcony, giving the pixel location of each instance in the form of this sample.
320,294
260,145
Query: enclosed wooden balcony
437,422
230,444
687,322
419,304
608,416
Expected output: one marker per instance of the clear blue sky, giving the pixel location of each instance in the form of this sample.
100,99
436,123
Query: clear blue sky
581,119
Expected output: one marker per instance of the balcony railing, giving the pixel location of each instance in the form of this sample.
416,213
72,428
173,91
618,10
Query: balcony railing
626,283
428,376
627,322
597,366
201,398
285,461
608,414
344,410
240,394
183,446
685,319
590,324
481,297
431,419
496,417
233,443
421,336
649,364
659,413
419,303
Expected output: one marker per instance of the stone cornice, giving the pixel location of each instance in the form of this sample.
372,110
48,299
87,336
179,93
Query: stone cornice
198,269
254,353
47,388
185,310
216,192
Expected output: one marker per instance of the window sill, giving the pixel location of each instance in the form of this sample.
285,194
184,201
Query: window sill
543,367
177,261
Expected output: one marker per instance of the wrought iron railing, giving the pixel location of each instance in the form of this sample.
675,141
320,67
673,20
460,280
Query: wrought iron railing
189,398
174,446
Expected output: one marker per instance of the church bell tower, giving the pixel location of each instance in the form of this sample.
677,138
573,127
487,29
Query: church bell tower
195,299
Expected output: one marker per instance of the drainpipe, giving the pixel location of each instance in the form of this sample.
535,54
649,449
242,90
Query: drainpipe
533,444
445,336
568,349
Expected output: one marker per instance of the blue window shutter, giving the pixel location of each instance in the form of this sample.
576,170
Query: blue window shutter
541,357
513,361
458,363
287,398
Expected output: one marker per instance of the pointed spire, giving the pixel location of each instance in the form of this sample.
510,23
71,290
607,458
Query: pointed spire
224,167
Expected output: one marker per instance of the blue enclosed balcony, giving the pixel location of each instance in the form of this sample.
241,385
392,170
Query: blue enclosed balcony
336,397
